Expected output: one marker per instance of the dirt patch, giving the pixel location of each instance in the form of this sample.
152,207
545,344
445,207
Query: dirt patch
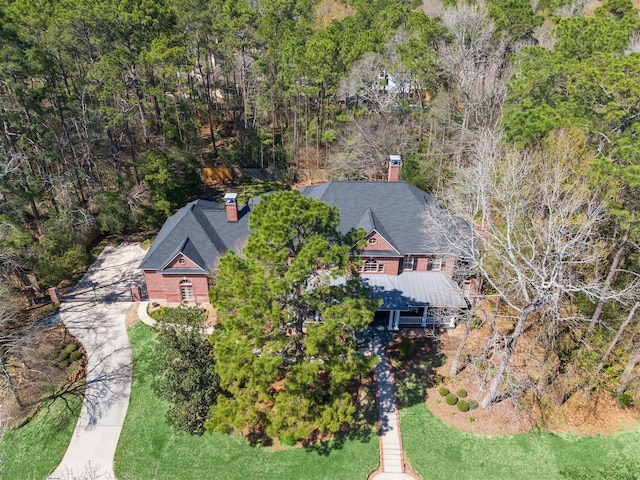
132,316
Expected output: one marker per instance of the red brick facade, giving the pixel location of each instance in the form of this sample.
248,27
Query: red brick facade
166,287
394,265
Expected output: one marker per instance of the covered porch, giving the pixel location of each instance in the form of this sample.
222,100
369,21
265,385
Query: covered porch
416,299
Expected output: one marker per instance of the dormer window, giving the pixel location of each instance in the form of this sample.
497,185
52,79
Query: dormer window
373,241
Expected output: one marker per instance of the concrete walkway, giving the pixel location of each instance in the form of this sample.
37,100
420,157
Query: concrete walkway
99,325
392,464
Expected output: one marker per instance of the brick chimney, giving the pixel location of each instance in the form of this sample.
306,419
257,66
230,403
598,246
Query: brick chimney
394,168
231,204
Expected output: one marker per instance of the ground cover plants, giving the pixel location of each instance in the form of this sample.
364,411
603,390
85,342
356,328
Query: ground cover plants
150,448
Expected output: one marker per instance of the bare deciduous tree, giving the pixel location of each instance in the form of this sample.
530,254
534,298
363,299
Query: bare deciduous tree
539,222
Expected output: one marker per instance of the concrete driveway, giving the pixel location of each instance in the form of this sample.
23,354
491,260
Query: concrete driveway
94,312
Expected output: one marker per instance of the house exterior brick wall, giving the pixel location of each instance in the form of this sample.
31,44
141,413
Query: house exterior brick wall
166,288
379,242
181,261
447,267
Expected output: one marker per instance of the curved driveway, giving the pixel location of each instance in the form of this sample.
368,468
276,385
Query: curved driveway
95,314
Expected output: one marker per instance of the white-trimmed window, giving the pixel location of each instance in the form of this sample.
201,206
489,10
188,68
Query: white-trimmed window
371,266
372,240
435,263
186,291
409,262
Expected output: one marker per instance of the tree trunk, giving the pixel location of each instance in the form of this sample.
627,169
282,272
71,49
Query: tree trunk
613,270
627,375
141,111
453,371
612,345
509,348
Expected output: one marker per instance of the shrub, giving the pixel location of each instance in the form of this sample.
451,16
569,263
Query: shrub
290,442
406,348
461,393
443,391
472,419
625,400
64,355
75,356
463,406
72,347
451,399
64,364
472,404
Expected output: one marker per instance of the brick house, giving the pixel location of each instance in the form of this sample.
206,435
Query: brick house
408,269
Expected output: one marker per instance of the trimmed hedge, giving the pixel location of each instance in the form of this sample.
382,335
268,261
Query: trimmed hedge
443,391
451,399
463,406
472,404
461,393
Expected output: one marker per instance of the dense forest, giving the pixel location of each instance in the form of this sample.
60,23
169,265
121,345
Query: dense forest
521,116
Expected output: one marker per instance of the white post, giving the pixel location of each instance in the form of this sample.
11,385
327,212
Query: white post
397,322
424,317
390,327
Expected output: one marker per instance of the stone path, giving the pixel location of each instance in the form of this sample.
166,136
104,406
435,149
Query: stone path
392,464
100,327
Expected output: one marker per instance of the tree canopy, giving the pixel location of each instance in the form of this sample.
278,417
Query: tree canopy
284,344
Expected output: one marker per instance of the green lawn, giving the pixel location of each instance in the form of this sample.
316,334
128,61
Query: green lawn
150,448
33,451
436,450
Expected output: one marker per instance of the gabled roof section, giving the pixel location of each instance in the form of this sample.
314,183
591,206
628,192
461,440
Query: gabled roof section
188,250
394,209
370,224
367,222
200,231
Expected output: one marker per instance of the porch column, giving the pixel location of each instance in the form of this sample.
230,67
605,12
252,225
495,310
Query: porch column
391,315
424,317
397,321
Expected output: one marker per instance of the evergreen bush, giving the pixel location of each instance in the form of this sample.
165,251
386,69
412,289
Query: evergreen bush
406,348
461,393
472,404
444,391
451,399
75,356
463,406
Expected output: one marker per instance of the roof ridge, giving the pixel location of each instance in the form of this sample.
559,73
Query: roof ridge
209,230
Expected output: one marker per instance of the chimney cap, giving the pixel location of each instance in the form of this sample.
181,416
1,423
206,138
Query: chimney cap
230,198
395,160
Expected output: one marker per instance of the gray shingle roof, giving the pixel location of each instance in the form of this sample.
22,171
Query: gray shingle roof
199,230
394,209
